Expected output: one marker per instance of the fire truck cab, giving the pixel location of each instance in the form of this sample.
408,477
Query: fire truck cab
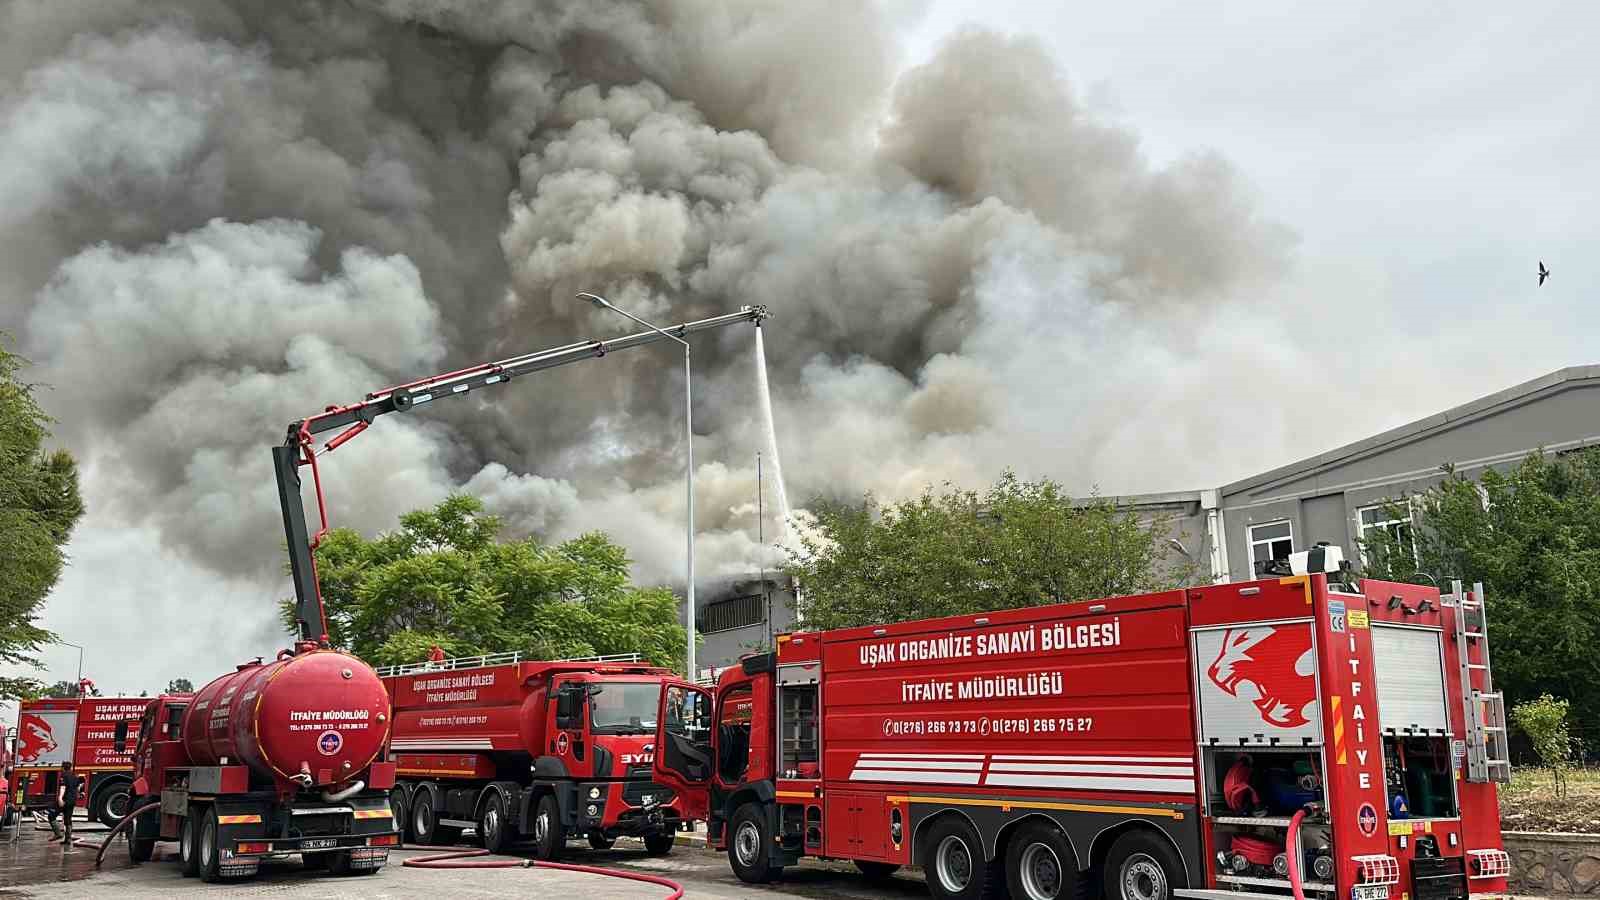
1292,736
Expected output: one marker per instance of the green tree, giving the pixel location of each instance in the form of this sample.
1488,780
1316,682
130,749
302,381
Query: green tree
60,689
1019,543
180,686
1544,720
1531,534
444,579
39,504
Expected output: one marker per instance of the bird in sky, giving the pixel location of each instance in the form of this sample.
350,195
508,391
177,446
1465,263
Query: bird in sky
1543,273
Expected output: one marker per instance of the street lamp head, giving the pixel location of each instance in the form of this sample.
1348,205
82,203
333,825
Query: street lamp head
596,299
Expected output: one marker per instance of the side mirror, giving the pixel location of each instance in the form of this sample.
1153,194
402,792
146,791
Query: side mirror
566,703
120,739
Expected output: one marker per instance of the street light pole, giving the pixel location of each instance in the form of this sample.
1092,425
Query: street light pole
688,426
79,683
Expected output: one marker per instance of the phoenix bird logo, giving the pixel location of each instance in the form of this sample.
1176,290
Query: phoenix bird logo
1271,668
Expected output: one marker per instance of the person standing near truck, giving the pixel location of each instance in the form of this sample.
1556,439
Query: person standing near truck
67,799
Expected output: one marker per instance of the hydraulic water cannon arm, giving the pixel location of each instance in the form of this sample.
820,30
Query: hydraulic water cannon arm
299,446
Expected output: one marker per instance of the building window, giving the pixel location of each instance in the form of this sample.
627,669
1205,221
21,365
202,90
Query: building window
734,612
1393,518
1270,542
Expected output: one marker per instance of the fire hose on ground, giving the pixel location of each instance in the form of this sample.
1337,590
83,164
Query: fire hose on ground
461,859
447,859
127,820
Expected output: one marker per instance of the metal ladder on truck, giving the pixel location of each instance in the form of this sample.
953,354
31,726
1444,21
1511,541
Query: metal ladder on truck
1488,749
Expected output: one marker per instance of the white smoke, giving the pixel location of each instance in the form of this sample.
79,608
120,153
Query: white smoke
219,217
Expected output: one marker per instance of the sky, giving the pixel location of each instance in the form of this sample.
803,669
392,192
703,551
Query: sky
1421,163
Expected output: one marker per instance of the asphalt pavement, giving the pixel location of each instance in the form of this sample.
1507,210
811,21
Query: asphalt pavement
31,866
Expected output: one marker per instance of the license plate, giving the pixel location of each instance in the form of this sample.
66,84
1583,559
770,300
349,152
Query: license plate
1370,892
325,843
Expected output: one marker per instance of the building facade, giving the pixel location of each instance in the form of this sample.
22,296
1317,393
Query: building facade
1340,496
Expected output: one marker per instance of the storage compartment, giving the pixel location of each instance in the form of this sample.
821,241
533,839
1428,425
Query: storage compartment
1418,777
1409,670
1251,797
798,731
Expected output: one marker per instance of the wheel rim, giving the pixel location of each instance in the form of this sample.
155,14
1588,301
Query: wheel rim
541,826
420,819
186,840
1143,879
208,842
747,843
1041,872
491,823
953,864
117,805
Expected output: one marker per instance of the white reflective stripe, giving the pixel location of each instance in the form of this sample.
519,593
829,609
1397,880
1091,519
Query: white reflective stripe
947,765
1168,760
918,777
1175,771
1095,783
458,389
970,756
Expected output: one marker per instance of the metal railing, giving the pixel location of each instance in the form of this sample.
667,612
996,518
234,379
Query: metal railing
501,659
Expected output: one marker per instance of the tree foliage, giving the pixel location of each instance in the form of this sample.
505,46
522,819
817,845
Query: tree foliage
1544,720
180,686
444,579
1019,543
1532,536
39,505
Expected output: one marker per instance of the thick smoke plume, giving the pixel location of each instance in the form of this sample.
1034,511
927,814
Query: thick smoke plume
218,217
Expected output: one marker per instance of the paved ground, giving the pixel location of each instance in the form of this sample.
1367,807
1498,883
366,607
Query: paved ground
32,867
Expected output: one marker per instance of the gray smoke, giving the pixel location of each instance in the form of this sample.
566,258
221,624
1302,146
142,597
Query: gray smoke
218,217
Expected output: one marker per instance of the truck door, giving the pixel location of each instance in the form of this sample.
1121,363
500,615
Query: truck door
684,751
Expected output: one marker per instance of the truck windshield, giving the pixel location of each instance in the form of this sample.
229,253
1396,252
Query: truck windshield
624,708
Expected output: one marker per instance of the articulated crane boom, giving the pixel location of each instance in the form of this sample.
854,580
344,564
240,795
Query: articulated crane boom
298,448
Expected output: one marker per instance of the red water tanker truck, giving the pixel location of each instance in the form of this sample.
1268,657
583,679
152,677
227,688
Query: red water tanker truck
273,758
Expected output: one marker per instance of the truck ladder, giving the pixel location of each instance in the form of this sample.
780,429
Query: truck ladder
502,659
1488,749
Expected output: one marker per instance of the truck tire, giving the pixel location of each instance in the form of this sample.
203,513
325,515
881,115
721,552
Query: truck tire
1040,864
876,871
140,849
188,846
493,829
210,857
599,841
659,844
339,866
1142,866
952,861
111,804
748,843
549,834
398,810
425,827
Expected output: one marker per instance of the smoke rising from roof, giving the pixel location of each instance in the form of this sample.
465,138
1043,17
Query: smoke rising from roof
218,217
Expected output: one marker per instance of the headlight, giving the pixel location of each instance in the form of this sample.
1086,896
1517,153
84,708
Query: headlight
594,793
594,810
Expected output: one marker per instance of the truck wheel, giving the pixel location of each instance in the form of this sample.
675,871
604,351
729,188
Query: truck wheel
397,813
140,849
599,841
748,852
876,871
658,844
493,829
1142,866
210,858
952,860
111,804
425,827
1040,864
188,849
549,834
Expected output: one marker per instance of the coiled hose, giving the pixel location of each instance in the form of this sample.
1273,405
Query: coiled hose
126,821
1292,852
461,859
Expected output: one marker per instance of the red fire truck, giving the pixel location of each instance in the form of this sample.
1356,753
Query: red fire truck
1288,736
53,730
540,749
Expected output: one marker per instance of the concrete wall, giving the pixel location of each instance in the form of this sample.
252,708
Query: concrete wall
1547,865
722,648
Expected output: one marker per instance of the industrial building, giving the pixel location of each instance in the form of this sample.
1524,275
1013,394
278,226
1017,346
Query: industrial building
1339,496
